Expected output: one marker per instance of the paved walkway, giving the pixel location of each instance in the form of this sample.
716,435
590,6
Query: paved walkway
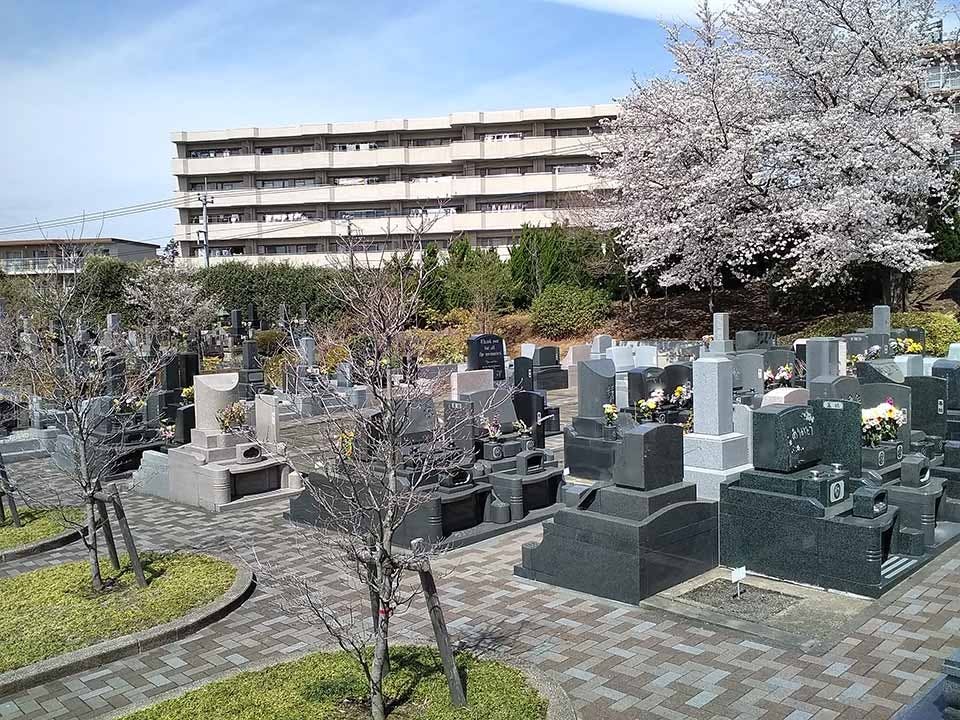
615,661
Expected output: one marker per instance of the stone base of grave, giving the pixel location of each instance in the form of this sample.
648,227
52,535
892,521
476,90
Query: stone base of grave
711,460
153,475
219,473
126,457
626,544
589,457
28,444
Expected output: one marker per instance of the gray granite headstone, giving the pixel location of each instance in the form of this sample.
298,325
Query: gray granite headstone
776,358
856,343
746,340
823,356
882,370
748,371
784,438
838,425
596,387
881,319
713,395
842,387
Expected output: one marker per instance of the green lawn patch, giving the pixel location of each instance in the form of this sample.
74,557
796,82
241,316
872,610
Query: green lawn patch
36,525
328,686
51,611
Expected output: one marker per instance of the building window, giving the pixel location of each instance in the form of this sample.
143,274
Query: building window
226,251
285,183
506,206
283,149
273,217
568,132
427,142
349,147
367,180
943,77
572,168
361,214
217,218
502,136
218,185
215,152
432,212
487,172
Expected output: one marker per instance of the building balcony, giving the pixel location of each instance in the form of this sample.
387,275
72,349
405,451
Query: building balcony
429,191
40,266
455,152
450,224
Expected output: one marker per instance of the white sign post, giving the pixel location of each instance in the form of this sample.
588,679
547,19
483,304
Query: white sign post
738,575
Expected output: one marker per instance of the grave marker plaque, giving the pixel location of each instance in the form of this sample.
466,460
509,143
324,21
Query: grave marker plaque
485,352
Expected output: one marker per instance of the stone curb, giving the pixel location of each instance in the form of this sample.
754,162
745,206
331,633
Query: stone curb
50,543
559,705
104,652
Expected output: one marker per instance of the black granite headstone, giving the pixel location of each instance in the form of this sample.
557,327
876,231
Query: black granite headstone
873,394
949,370
881,370
531,408
784,438
185,422
641,382
651,457
546,356
827,387
837,423
485,352
523,373
929,404
458,424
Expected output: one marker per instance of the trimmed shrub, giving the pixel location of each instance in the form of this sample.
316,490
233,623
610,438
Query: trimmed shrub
269,342
941,328
564,310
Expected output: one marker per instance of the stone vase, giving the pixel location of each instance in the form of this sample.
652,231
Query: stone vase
885,454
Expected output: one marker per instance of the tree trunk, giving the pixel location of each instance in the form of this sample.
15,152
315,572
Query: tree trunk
92,555
378,709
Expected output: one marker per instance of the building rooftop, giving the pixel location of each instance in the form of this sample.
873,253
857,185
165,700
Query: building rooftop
403,124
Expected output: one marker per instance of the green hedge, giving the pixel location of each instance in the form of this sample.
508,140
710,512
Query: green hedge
941,328
564,310
237,283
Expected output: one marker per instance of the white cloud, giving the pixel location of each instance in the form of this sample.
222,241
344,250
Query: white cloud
669,10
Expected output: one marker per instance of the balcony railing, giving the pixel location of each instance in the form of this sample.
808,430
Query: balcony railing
20,266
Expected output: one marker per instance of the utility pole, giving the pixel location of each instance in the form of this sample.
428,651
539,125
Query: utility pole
204,234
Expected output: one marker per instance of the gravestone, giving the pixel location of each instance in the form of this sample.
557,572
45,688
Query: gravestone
748,370
308,350
713,452
485,352
676,375
523,373
590,443
458,423
881,319
953,352
267,412
721,342
856,343
651,457
838,425
909,364
596,387
641,382
823,357
645,355
844,387
746,340
622,357
784,438
213,393
530,407
928,402
949,370
599,346
236,324
547,373
527,349
881,370
470,381
786,396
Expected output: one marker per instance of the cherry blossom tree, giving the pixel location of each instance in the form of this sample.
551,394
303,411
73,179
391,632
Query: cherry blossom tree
795,136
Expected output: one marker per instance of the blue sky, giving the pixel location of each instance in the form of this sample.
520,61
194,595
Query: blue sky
92,90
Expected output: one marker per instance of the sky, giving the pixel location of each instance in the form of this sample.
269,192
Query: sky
92,90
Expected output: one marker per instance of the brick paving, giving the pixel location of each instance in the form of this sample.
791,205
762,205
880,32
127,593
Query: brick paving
614,660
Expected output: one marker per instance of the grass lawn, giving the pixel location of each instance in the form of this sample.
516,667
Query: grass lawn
36,525
330,686
53,610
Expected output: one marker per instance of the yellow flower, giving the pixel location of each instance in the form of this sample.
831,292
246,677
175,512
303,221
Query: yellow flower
652,404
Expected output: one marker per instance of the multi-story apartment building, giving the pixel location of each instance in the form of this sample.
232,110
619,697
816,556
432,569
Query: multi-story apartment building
51,255
300,193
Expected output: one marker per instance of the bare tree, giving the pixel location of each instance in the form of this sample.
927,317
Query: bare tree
372,468
92,383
